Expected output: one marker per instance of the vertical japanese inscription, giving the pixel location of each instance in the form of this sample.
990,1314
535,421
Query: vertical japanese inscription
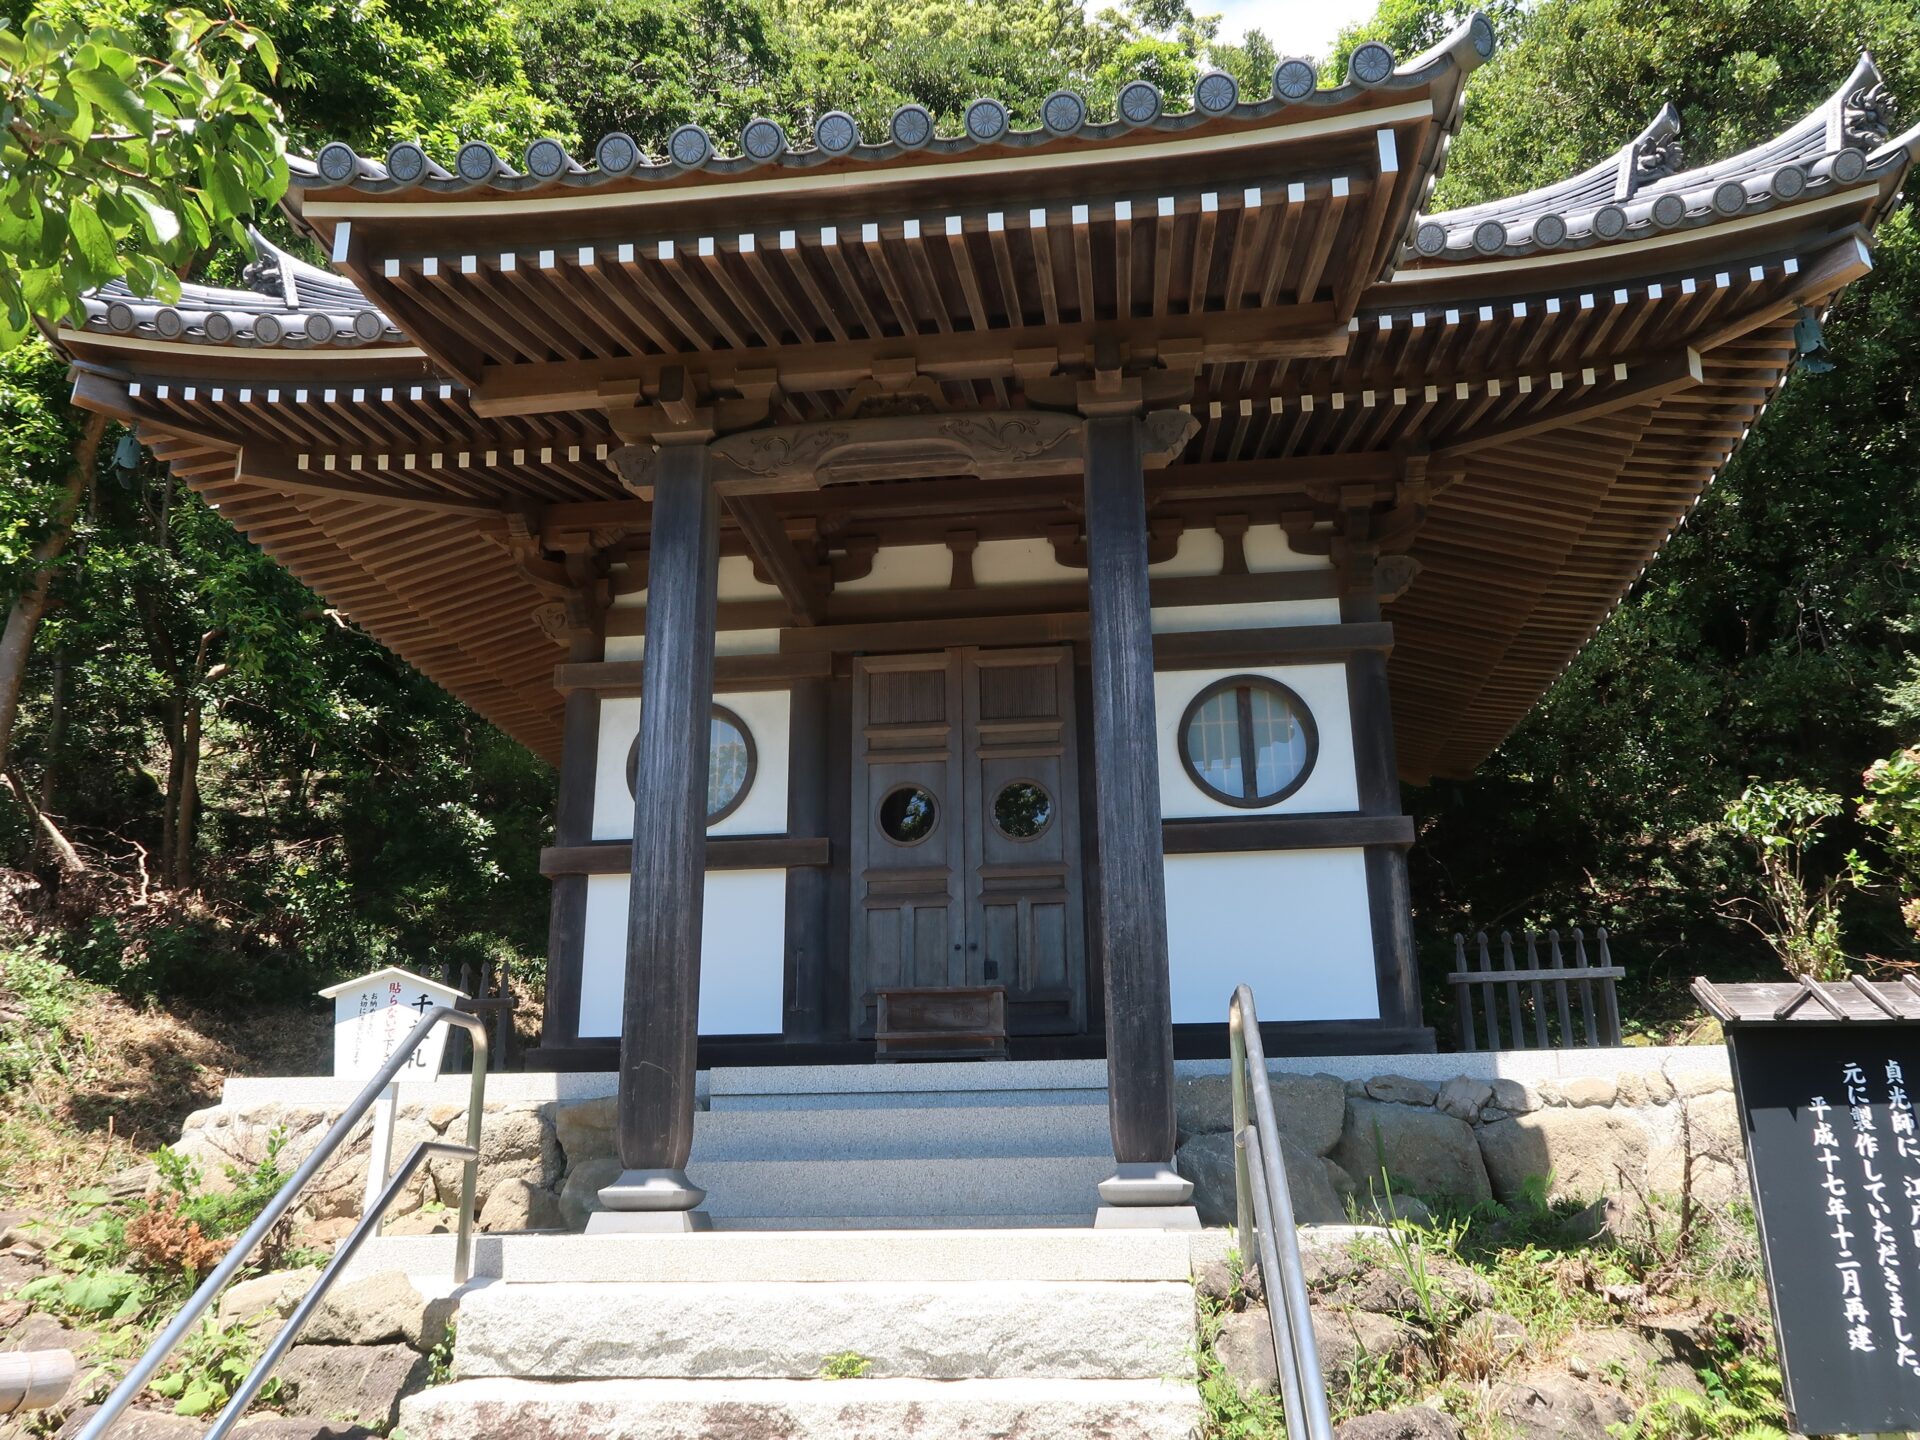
1834,1153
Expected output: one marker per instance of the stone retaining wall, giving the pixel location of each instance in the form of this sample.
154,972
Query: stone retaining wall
1595,1121
1641,1129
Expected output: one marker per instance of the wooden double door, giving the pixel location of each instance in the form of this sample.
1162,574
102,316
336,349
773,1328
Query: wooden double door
966,832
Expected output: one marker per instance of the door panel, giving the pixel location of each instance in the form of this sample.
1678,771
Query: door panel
908,916
1024,914
988,893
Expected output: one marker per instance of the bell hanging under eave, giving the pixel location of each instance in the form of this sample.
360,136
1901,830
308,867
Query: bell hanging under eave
1810,344
127,454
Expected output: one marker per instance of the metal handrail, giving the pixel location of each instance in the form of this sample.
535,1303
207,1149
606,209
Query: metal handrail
165,1343
1262,1200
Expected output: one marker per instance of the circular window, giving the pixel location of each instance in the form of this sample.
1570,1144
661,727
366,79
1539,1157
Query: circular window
1022,810
908,815
731,762
1248,741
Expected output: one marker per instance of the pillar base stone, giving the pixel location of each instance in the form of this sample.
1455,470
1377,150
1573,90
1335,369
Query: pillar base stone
1145,1182
1146,1217
652,1190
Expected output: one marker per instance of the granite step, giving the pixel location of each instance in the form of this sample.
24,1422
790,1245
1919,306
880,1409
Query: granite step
938,1330
830,1256
1050,1409
858,1132
987,1187
955,1083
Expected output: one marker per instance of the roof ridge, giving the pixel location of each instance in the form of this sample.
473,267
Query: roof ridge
836,134
1825,150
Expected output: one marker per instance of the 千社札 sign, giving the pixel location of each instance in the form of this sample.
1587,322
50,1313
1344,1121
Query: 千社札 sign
375,1013
1834,1156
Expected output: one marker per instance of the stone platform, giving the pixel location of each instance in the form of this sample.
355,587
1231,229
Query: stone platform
959,1333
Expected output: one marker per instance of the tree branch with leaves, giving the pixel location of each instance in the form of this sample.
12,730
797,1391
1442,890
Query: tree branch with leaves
118,165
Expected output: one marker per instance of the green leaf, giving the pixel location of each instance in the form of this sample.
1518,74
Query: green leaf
161,224
110,94
91,237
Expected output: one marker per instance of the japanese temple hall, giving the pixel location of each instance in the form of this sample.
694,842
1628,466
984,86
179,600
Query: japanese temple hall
1021,562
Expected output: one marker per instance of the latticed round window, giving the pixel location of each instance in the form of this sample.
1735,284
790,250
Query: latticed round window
1248,741
731,763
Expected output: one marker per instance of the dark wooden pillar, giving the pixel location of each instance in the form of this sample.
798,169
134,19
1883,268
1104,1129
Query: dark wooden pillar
1377,776
1132,908
572,825
807,1001
660,1025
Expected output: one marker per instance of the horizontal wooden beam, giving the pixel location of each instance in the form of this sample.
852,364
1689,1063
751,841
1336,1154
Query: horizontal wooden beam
724,852
1644,384
1276,645
277,470
1309,332
1284,832
730,673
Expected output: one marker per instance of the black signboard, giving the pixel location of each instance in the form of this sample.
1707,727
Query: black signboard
1834,1157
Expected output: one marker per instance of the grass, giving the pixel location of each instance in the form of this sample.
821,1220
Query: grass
848,1365
1684,1267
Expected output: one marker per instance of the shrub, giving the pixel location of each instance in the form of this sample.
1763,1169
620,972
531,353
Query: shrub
1800,919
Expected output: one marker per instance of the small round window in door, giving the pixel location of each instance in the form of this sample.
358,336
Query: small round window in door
731,761
1248,741
1022,810
908,814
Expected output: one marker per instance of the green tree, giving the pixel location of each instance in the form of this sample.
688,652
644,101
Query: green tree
116,164
1763,638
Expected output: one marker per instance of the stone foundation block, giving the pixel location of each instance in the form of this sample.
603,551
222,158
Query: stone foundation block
804,1410
1584,1151
946,1330
1424,1151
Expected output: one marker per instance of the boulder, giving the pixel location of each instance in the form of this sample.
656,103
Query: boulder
1583,1151
1463,1098
1553,1407
580,1195
1399,1090
360,1383
1641,1363
584,1128
1580,1091
1425,1152
266,1298
1513,1097
1244,1348
1695,1081
1308,1108
1348,1339
516,1205
1416,1422
515,1144
1207,1160
435,1219
377,1310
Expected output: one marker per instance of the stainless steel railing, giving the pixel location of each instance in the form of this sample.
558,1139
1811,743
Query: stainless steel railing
1267,1234
196,1306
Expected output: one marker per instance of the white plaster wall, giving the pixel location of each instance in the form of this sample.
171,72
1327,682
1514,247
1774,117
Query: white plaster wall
1251,615
725,642
767,715
1267,549
1294,924
1329,786
742,953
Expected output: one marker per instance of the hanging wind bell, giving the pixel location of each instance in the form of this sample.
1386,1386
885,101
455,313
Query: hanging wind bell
1810,344
127,456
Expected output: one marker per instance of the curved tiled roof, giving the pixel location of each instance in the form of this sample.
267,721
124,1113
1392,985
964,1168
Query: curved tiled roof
836,135
287,302
1640,190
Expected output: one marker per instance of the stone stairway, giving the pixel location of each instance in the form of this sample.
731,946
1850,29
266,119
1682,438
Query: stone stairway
1003,1144
956,1333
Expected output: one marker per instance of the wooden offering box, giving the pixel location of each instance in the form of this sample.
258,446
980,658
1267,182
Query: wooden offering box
948,1022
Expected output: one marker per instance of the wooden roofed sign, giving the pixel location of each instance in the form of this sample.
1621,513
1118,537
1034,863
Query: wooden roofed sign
885,340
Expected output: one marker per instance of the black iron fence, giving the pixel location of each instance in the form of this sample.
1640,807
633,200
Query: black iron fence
1556,995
